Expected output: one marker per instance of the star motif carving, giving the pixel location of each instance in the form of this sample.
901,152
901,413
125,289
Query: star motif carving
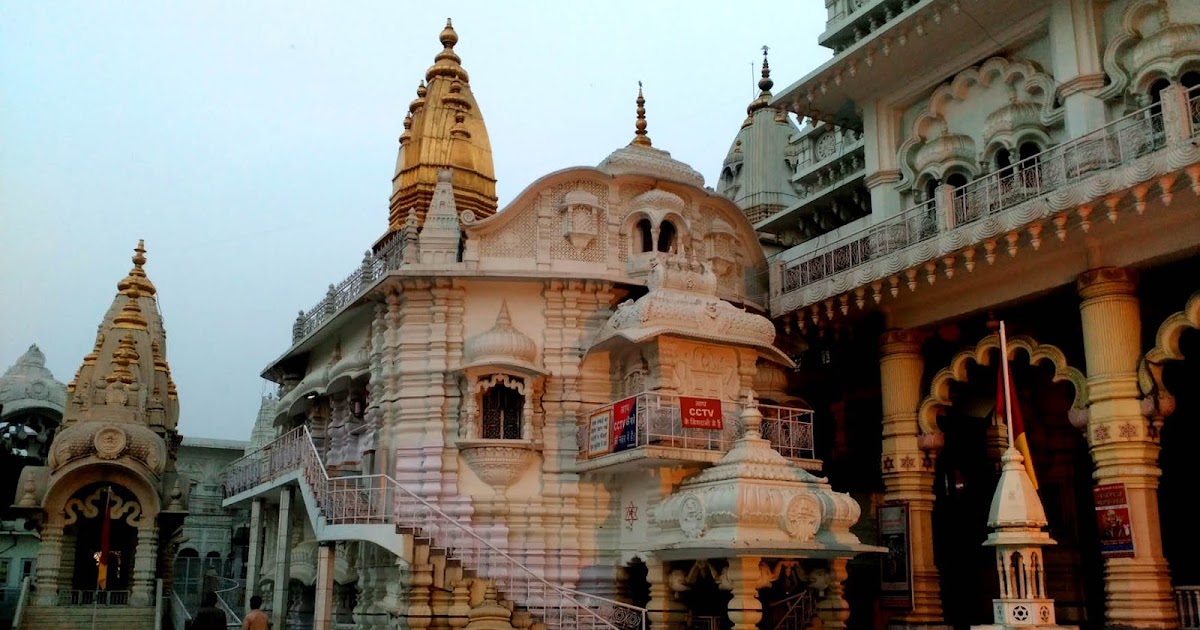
888,463
1128,431
1100,434
908,463
631,514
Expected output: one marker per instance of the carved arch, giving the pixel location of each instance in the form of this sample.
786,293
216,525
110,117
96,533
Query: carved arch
1178,47
939,389
1024,77
1166,348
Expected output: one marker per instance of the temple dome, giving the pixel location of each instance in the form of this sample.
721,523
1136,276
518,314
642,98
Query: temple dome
29,384
640,157
443,129
502,345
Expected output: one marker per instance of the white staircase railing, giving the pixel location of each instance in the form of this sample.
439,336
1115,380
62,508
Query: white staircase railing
379,499
799,610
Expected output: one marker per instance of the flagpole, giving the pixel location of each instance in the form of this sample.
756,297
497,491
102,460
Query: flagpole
96,591
1007,384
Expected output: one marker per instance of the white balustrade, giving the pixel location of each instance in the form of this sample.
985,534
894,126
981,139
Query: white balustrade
1187,600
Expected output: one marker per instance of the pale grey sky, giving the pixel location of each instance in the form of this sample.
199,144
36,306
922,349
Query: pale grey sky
252,145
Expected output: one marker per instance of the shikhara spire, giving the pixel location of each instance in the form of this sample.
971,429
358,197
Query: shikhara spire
640,137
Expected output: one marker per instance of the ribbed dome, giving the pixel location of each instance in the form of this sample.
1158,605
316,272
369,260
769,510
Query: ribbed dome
1011,118
502,344
28,384
640,157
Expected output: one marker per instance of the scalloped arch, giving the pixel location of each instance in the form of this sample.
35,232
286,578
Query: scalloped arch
1034,83
1139,79
956,372
1166,345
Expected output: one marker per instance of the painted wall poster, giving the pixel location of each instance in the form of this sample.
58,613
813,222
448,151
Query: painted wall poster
1112,517
600,433
896,575
624,425
701,413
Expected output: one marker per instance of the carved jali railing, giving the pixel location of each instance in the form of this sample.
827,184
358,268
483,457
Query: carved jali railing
373,267
1117,143
379,499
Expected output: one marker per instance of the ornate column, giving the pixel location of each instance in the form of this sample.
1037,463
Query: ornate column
664,610
907,477
323,589
1138,588
49,556
254,561
144,564
833,609
745,611
279,598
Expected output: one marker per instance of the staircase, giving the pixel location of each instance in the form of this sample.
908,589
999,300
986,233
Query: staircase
452,546
80,617
792,613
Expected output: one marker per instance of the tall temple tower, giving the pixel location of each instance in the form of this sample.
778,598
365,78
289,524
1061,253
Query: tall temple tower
443,129
117,444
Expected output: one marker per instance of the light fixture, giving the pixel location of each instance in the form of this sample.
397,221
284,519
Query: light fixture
311,395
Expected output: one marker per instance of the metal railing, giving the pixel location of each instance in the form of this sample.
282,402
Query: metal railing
179,613
22,601
373,267
380,499
230,591
1194,110
1119,142
1187,601
92,598
660,423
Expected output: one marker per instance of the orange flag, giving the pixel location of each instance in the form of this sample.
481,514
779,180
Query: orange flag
1018,424
102,566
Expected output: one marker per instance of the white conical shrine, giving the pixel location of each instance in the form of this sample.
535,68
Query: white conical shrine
1017,520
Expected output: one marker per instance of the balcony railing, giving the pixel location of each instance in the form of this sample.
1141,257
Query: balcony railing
1187,600
659,422
373,267
92,598
1117,143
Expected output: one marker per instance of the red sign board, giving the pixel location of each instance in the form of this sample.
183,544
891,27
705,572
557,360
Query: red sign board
701,413
1112,517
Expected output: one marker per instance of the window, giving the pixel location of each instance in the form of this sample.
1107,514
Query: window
666,236
645,237
502,406
27,566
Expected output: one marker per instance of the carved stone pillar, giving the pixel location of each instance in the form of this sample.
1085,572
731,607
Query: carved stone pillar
1177,118
49,557
745,611
279,598
1138,588
664,610
833,609
254,561
323,589
907,477
144,563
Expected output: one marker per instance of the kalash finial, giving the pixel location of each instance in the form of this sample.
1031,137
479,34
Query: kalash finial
765,83
137,276
449,37
640,137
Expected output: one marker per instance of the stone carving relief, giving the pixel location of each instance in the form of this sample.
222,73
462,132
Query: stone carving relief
948,134
1153,43
581,217
708,372
802,518
127,510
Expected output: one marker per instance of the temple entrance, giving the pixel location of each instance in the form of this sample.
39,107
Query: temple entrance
967,471
707,603
85,525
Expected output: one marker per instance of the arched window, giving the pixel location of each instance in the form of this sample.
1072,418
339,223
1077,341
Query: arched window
956,180
931,188
644,236
1004,162
666,236
1190,79
502,407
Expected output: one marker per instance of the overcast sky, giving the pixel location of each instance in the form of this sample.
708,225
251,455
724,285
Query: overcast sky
252,145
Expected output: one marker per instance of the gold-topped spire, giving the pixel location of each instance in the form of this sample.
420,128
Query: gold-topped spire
137,276
640,137
764,86
131,314
125,356
444,130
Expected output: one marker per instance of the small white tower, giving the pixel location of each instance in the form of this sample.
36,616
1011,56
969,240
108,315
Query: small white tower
1017,519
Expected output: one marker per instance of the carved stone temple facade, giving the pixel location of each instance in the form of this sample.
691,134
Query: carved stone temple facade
627,399
117,441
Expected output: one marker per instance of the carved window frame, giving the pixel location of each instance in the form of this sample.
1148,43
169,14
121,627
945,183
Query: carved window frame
478,384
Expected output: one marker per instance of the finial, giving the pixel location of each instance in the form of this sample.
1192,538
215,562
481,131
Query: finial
765,83
139,256
137,276
448,37
640,137
503,319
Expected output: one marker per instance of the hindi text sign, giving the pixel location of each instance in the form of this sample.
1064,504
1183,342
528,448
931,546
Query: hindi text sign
701,413
1112,517
600,433
896,577
624,425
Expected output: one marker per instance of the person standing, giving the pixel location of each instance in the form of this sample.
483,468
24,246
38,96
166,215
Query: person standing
209,617
256,619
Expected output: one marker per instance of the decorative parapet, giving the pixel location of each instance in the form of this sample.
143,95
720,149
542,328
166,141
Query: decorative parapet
1132,152
374,266
849,21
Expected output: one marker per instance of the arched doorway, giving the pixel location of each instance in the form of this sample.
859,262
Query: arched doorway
962,407
84,525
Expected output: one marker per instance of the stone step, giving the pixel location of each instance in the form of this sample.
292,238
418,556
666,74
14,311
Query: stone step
80,617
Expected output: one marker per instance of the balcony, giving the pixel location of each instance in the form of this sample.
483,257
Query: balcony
1047,185
829,171
649,429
